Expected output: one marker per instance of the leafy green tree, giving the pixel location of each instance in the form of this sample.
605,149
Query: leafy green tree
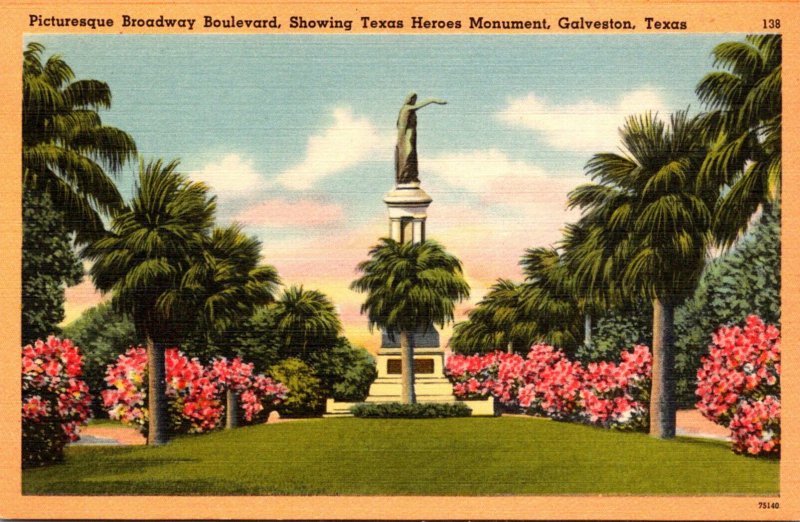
49,264
306,321
101,334
619,329
66,150
409,287
256,339
498,320
152,244
305,395
744,120
656,234
345,371
745,280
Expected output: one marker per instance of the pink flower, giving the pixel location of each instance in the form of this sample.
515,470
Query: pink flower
738,385
55,401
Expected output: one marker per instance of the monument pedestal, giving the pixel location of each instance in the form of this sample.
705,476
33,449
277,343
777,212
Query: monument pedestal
430,384
408,205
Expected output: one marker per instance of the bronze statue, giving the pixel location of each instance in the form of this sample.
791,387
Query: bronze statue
405,153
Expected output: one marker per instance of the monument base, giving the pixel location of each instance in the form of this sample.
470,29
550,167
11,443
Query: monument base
430,383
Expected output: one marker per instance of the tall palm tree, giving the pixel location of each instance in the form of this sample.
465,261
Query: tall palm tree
744,121
306,318
66,150
152,244
226,285
496,320
656,234
550,298
409,287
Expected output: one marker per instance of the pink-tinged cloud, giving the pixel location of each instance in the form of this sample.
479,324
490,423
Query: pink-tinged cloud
329,252
281,213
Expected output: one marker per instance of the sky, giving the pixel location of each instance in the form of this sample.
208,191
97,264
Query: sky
295,135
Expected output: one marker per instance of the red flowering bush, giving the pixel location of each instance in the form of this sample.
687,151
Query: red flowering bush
556,391
497,374
195,405
739,385
55,400
126,399
468,372
252,390
195,391
548,383
618,395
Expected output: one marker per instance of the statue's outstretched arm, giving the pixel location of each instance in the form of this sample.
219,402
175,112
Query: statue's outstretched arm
428,102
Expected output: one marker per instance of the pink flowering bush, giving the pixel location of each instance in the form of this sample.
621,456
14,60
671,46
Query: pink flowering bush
618,395
497,374
739,385
547,383
253,390
126,398
555,391
195,405
194,391
55,400
469,372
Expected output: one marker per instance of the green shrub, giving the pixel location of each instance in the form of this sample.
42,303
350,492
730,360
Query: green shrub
103,335
305,388
346,371
396,410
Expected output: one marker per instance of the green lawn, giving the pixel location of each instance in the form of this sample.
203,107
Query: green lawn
462,456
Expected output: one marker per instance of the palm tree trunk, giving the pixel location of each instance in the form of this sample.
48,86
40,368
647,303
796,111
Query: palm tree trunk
587,329
231,409
662,394
510,347
157,432
407,359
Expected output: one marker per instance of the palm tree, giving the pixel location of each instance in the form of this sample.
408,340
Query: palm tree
409,287
551,300
656,234
744,122
226,285
66,150
152,244
306,318
496,320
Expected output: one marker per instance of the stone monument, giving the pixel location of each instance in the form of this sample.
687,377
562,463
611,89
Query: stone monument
407,205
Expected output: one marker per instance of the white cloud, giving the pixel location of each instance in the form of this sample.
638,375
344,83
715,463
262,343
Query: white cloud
232,176
479,171
586,126
349,141
494,177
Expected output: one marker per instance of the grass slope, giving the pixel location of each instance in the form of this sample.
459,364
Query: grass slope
463,456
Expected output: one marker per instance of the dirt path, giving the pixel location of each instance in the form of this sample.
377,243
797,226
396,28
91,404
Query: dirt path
110,435
692,423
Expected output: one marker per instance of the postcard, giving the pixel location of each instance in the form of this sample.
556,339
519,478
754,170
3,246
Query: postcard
448,260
